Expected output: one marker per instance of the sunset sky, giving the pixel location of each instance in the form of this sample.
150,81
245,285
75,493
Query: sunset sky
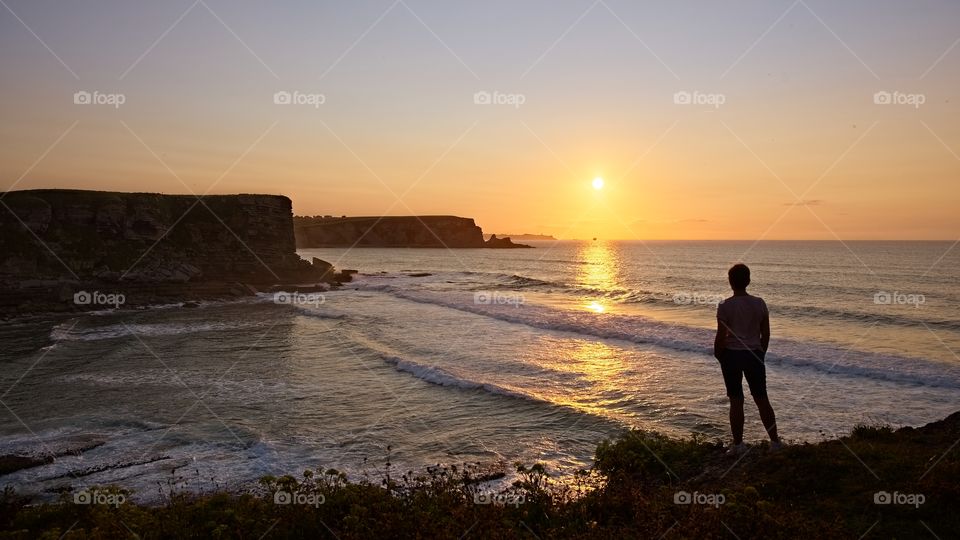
789,140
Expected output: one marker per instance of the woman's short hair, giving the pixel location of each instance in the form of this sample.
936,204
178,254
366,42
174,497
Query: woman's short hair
739,276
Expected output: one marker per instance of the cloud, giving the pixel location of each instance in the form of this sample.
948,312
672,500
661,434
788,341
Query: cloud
668,222
806,202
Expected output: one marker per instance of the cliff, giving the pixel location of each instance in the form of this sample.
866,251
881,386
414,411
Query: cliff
393,231
53,237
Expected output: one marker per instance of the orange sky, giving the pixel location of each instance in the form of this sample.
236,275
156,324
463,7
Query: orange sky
705,122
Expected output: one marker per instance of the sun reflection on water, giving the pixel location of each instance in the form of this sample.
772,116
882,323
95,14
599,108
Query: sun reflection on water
600,272
601,368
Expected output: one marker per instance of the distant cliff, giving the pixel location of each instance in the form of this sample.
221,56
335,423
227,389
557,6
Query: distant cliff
73,235
393,231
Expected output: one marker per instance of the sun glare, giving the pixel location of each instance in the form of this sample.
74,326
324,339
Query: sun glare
598,183
596,307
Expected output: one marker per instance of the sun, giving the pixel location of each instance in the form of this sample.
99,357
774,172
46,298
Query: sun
598,183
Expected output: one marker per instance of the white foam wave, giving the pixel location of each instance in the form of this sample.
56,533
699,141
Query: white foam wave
642,330
435,375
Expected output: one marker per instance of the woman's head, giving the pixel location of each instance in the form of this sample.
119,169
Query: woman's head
739,276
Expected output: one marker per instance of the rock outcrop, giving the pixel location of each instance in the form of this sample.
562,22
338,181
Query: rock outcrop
393,231
502,243
526,237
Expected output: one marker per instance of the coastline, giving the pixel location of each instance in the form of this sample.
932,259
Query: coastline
410,326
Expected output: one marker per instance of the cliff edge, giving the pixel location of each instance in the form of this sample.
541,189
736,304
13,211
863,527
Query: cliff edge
56,238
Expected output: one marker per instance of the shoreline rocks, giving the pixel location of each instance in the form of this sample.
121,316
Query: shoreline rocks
503,243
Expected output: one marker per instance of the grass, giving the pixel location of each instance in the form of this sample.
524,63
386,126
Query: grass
640,487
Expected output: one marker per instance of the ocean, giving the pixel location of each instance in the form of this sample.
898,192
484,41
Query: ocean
435,356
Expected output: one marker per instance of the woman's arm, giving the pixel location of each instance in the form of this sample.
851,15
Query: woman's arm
720,341
765,332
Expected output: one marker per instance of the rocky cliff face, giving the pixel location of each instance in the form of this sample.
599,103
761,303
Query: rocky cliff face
148,238
392,231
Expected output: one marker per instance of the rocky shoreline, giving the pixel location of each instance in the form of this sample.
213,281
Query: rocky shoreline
73,250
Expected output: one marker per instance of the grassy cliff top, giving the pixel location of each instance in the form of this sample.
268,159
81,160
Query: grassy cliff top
75,195
320,220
